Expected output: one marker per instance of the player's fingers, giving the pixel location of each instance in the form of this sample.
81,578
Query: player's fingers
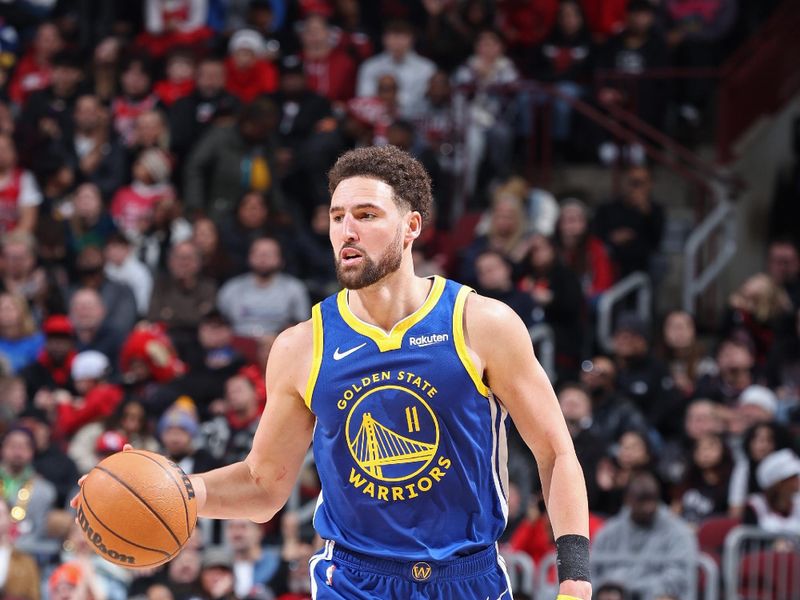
127,447
74,502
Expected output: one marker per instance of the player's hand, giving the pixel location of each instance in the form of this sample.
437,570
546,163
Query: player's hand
576,589
74,502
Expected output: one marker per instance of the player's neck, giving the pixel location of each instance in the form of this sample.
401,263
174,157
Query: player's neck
390,300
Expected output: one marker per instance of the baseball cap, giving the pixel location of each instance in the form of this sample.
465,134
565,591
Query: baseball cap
632,323
180,418
217,556
69,573
247,39
758,395
777,467
57,325
110,442
89,364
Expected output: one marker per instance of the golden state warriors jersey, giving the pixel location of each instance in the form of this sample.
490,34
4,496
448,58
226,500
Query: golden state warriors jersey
409,443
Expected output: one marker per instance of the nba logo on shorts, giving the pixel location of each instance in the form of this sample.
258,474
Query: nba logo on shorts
421,571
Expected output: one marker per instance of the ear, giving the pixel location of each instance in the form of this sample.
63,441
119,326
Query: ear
413,226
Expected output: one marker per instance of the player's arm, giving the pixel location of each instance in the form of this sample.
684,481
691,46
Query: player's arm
257,487
503,349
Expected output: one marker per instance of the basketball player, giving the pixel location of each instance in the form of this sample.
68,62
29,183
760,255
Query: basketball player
405,385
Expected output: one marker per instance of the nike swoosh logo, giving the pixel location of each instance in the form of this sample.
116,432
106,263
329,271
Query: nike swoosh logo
340,355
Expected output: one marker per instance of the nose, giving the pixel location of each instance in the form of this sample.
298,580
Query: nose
349,228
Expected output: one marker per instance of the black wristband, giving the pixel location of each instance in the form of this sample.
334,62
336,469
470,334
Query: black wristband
572,558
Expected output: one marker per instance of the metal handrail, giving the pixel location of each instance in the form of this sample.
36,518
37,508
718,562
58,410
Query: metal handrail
731,555
710,576
719,219
638,283
521,570
542,336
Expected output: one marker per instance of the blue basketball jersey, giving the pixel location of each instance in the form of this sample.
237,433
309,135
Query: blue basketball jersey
409,443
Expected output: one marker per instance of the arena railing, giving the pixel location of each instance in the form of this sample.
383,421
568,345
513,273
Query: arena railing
637,283
521,571
760,565
543,339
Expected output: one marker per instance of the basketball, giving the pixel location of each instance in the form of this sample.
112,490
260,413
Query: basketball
137,509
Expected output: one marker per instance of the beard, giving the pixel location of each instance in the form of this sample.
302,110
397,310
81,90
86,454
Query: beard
369,271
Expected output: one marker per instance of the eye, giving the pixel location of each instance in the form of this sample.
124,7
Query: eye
368,216
337,218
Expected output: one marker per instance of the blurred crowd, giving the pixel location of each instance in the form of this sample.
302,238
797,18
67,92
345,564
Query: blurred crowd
164,215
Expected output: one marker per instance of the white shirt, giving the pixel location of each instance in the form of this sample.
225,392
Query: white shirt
29,194
133,272
412,74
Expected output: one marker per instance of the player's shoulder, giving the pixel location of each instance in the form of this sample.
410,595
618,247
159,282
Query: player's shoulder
482,310
487,320
297,338
291,351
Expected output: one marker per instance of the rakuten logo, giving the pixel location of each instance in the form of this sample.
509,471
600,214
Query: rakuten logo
428,340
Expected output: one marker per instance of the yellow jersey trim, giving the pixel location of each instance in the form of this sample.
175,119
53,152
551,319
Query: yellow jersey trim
392,340
316,361
461,342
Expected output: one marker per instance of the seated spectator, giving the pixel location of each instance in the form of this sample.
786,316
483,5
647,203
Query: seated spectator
783,266
444,37
612,413
148,359
104,68
703,492
758,442
93,150
761,310
248,73
123,266
756,404
581,251
95,398
168,25
559,303
13,399
369,117
89,224
735,366
644,378
177,430
265,300
491,109
20,340
136,96
87,313
52,367
633,224
650,550
217,581
631,453
526,24
167,228
29,495
73,581
330,70
35,67
21,276
182,296
20,578
133,206
253,565
150,132
777,508
230,160
179,83
683,353
703,418
118,298
19,193
216,261
494,281
782,373
410,70
192,115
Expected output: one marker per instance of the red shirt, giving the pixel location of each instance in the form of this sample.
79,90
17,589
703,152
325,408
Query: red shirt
9,201
99,403
132,206
247,84
333,76
29,77
170,91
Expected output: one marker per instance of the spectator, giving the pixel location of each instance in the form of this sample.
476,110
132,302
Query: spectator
633,224
410,70
229,436
644,378
166,229
147,360
526,24
248,73
90,224
52,367
21,275
133,206
761,310
34,70
735,365
192,115
169,25
118,299
783,373
756,404
216,261
19,194
557,294
612,413
92,149
777,508
73,581
369,117
582,252
182,296
265,300
758,442
631,453
783,266
20,341
230,160
87,313
216,576
150,132
104,68
494,281
27,493
330,71
183,574
487,75
444,38
703,418
13,399
180,71
124,267
177,429
683,353
657,551
253,565
136,96
703,492
20,578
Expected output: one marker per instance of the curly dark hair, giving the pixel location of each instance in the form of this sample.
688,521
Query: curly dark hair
396,168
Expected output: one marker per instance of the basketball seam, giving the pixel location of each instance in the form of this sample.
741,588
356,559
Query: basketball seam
126,540
142,500
180,491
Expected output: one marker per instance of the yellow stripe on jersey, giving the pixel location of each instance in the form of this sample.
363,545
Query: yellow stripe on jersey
316,361
461,342
394,339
